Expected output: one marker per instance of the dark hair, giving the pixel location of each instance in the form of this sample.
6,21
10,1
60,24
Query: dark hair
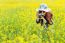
41,11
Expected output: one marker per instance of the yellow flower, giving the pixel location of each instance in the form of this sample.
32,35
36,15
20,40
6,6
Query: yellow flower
19,39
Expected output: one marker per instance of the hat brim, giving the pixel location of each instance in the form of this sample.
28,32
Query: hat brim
47,10
42,9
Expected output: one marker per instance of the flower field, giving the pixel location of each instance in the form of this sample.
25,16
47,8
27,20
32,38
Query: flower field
18,22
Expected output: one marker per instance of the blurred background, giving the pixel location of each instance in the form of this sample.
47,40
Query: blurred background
18,25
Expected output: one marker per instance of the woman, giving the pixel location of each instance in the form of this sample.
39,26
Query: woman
45,12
